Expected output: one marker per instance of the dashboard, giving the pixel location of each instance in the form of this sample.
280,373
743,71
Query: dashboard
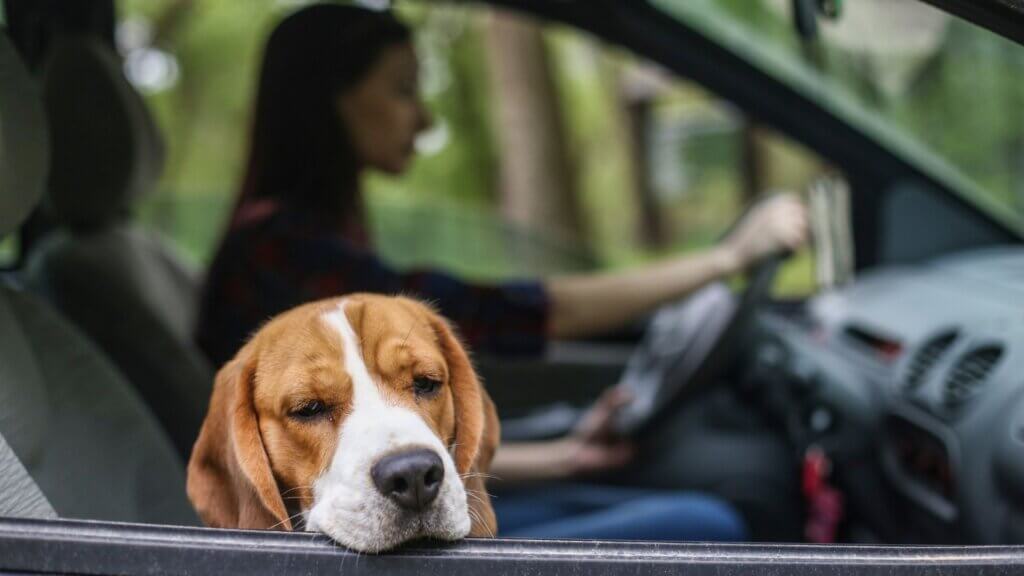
911,379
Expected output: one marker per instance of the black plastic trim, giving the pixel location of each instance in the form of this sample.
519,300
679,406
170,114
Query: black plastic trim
80,547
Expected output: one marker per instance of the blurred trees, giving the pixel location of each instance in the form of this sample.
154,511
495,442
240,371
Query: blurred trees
536,179
553,151
954,88
204,111
545,155
967,102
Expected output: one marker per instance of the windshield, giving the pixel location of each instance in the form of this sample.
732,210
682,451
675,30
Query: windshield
936,89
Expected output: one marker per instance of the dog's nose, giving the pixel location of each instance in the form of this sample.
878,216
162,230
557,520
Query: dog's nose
412,479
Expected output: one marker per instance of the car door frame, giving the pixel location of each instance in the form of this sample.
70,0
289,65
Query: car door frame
94,548
84,547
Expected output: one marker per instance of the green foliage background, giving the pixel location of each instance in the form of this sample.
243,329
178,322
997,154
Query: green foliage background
966,105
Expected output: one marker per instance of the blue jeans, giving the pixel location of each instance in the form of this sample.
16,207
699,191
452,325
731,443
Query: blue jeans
615,513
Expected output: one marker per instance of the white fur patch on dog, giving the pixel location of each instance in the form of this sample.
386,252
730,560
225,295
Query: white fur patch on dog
346,504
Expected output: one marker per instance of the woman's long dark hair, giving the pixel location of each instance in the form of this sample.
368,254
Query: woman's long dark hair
300,153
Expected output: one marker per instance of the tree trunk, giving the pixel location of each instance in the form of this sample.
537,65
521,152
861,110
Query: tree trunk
752,168
638,90
537,187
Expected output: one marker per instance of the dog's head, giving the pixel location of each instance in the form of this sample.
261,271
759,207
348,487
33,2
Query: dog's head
359,417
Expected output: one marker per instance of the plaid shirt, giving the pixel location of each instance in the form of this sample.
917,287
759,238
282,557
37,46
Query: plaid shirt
287,258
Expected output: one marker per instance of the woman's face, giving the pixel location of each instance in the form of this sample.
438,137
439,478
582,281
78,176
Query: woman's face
383,114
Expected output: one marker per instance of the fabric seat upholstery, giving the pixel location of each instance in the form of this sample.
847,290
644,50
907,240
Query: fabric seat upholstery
74,423
82,433
120,283
20,497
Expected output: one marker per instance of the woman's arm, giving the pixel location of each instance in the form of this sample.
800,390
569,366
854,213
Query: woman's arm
586,304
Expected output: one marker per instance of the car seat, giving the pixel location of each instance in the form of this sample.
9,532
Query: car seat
73,422
20,497
120,283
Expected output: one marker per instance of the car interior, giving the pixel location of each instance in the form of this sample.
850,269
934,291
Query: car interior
80,429
97,263
893,382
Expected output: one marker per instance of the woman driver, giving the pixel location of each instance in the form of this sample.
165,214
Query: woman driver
338,97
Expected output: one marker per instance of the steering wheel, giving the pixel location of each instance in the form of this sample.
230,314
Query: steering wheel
686,346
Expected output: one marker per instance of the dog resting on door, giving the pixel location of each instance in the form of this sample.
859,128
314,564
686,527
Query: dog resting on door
359,417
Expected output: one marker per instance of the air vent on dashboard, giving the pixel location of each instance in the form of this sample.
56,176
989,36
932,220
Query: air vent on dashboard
926,357
969,373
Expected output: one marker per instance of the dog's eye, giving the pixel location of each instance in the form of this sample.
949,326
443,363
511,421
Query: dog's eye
309,410
424,386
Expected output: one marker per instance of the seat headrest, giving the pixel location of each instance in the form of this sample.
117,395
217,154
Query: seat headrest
24,147
105,147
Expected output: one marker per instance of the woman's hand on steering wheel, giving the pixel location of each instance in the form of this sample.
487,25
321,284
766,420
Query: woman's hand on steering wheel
775,225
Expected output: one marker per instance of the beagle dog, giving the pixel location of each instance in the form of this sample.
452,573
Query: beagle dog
360,417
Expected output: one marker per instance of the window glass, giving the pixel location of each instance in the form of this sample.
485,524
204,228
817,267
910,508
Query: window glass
196,64
930,85
550,151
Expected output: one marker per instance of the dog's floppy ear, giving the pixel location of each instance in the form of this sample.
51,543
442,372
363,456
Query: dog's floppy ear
485,523
477,431
229,478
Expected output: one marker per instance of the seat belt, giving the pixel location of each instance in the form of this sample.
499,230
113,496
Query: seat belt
20,497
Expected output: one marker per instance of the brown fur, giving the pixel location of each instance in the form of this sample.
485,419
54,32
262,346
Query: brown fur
252,462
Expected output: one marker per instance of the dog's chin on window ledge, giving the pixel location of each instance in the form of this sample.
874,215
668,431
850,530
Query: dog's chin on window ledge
358,417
